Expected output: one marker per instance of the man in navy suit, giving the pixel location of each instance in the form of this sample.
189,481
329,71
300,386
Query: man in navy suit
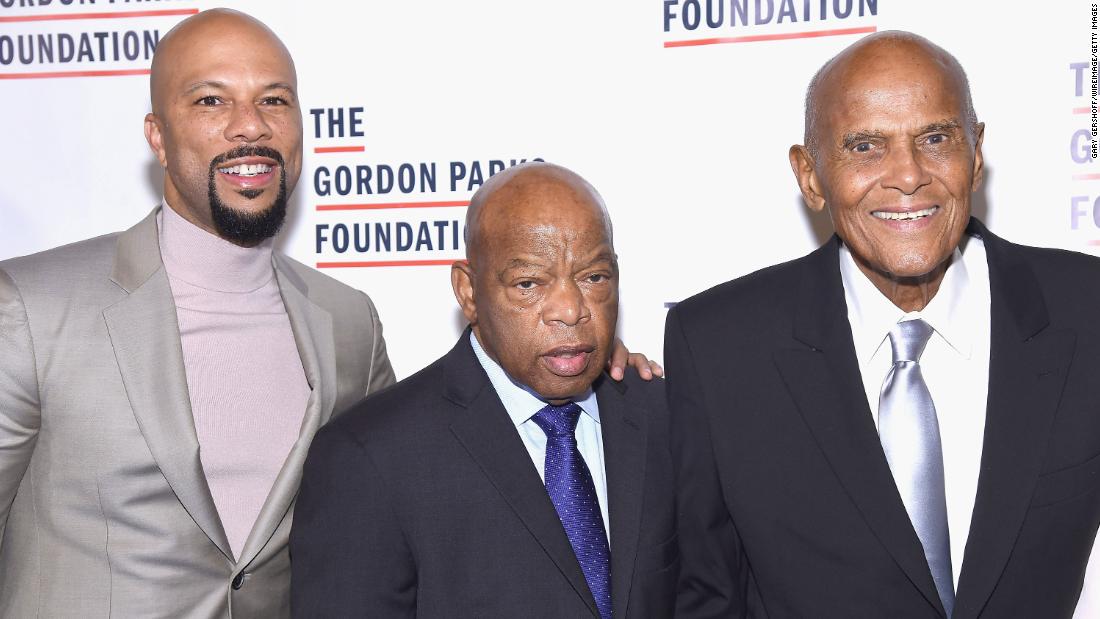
510,478
909,423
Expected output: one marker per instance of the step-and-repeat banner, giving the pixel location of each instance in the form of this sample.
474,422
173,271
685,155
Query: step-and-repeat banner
679,111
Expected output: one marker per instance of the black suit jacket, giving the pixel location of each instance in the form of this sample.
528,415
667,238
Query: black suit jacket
787,507
423,501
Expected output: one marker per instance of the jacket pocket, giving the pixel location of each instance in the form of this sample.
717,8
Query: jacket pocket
1067,483
659,556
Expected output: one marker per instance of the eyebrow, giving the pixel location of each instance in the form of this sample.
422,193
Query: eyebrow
203,84
221,85
858,136
943,125
605,256
280,86
520,263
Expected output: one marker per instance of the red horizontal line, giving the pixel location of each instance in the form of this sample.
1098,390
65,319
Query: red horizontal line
66,16
1082,110
385,263
339,149
385,205
1087,177
771,37
106,73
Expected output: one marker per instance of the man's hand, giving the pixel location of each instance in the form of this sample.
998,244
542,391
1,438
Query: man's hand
621,357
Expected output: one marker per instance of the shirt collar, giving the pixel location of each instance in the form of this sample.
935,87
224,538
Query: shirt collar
208,261
518,399
950,313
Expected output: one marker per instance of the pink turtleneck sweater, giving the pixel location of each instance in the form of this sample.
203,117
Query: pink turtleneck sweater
245,378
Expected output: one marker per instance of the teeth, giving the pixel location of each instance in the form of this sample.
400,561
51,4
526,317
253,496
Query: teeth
246,170
906,216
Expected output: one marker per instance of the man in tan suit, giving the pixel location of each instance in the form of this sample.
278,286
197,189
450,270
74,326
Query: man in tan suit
159,387
150,446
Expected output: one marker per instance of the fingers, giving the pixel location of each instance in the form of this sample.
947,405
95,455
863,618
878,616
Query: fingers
620,356
656,368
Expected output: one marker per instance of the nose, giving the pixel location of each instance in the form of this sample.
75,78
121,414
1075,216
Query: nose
247,124
904,169
565,304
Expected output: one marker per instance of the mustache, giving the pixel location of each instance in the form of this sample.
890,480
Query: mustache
247,151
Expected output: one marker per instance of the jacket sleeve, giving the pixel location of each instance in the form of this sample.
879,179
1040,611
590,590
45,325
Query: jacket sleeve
20,409
381,372
349,556
713,571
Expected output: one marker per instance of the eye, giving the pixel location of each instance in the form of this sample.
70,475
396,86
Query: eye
525,284
597,278
209,100
862,147
937,138
273,101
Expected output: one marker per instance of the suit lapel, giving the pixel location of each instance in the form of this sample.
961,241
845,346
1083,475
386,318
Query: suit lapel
822,375
484,429
145,336
1027,370
312,327
622,422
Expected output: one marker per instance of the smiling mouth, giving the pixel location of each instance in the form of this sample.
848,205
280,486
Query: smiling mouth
906,216
246,170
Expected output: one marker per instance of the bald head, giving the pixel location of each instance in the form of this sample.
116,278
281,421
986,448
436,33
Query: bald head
893,153
226,125
209,30
883,53
540,286
528,192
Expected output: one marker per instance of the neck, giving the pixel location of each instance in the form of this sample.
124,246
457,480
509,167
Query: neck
910,294
492,355
201,258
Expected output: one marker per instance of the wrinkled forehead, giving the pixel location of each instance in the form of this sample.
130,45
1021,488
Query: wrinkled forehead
890,82
544,232
566,215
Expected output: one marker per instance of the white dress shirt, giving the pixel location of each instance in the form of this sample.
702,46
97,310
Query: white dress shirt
522,404
955,366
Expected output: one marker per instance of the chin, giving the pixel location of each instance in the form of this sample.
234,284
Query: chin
565,388
252,209
248,206
915,266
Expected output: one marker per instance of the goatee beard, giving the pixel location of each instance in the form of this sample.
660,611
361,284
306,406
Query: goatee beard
240,227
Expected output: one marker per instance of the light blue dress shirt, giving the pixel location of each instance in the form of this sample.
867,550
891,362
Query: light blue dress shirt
522,404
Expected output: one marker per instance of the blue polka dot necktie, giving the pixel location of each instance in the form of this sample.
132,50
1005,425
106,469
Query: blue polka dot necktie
569,484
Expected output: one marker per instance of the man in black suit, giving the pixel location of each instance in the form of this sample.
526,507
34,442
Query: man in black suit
510,478
905,422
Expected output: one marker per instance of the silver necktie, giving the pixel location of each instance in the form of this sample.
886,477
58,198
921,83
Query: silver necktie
910,435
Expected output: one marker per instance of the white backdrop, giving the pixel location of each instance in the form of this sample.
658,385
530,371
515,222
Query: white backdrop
682,126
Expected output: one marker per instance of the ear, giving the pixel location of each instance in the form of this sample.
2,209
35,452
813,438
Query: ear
802,164
462,283
979,163
155,139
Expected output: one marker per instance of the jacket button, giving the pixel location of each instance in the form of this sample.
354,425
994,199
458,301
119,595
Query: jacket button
238,580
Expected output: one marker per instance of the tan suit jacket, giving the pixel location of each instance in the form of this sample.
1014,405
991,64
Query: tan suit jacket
104,507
